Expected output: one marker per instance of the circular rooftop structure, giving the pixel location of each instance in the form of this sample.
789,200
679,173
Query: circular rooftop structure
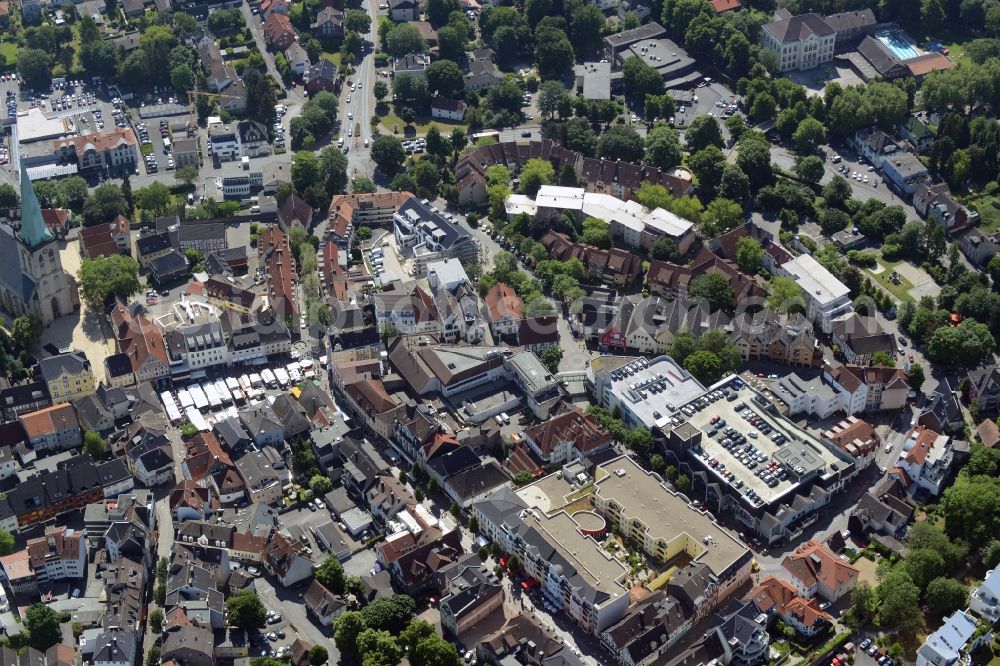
591,524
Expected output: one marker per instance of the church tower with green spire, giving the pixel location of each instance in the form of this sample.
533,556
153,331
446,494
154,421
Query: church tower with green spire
34,233
32,279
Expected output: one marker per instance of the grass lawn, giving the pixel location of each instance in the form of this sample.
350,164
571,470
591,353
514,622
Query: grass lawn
332,57
901,291
9,52
420,125
989,213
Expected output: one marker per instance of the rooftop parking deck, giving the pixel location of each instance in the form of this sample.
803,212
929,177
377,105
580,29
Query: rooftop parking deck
743,445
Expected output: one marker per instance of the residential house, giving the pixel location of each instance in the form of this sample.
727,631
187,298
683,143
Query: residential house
977,246
868,389
263,483
105,240
985,599
815,571
917,132
298,59
322,604
777,599
566,437
614,265
152,462
504,310
941,411
988,433
55,428
984,386
188,644
470,593
115,646
448,109
68,376
886,509
279,32
953,642
17,399
415,572
268,7
322,75
859,337
404,11
927,458
370,402
935,202
329,24
855,437
283,559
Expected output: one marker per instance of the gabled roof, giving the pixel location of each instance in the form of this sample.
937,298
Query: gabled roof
798,28
573,426
49,420
813,563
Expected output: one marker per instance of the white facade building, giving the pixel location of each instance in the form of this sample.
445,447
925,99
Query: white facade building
826,297
799,42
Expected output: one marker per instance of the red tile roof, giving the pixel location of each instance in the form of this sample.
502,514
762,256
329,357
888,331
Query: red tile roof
813,563
49,420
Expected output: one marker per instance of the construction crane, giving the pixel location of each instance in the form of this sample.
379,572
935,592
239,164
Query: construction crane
193,95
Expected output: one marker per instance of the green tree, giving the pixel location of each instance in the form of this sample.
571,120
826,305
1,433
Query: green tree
721,216
6,542
663,146
380,89
320,485
33,66
808,136
915,376
621,143
586,28
785,295
946,595
94,444
749,255
8,196
403,39
704,365
72,192
522,479
153,656
553,53
98,278
105,204
551,357
703,132
810,169
187,174
246,610
664,249
156,621
535,173
155,198
434,651
714,288
42,624
387,152
708,165
884,359
318,655
378,647
682,346
444,78
899,597
596,232
640,79
391,614
26,332
346,629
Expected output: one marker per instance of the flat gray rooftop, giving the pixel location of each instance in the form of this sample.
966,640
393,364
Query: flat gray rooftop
802,455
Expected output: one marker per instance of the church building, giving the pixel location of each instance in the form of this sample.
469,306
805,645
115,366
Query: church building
32,279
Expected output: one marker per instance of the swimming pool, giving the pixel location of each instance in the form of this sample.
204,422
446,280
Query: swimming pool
898,44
